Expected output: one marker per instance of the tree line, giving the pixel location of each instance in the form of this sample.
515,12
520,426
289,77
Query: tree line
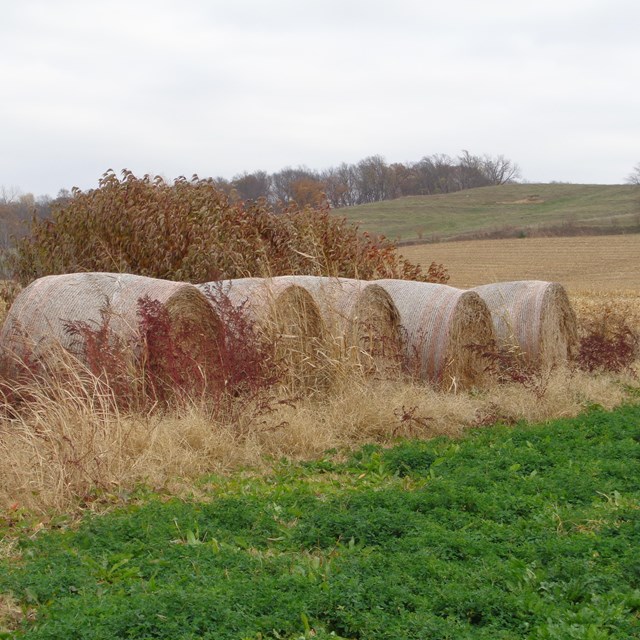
17,210
371,180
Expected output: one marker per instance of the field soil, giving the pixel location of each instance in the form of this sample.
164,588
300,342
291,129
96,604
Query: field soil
594,263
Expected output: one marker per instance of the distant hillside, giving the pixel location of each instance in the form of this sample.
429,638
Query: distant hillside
503,211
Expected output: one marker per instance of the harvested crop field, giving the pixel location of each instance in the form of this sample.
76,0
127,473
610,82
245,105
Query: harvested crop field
594,263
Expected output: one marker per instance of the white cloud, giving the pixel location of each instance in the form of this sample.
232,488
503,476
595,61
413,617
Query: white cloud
220,87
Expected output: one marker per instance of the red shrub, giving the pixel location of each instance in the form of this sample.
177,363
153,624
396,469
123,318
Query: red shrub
611,350
162,368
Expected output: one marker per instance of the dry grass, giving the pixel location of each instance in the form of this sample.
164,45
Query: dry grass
12,614
612,315
592,306
9,289
70,445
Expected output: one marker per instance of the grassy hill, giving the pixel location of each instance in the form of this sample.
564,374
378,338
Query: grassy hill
525,209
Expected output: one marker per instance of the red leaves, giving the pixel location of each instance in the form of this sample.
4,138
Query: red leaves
613,350
162,369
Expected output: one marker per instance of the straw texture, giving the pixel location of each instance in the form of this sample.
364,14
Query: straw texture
37,318
440,323
534,315
287,315
360,317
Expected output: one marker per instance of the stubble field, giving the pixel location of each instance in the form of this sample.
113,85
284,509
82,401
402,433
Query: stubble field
594,263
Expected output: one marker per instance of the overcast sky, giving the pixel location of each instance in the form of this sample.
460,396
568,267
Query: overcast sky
221,87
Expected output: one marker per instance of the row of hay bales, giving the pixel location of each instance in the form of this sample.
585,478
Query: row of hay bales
312,319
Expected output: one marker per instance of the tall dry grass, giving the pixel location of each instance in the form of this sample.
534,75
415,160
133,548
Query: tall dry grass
70,444
598,306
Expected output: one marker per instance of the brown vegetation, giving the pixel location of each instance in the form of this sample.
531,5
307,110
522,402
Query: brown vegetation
609,326
191,231
74,442
67,448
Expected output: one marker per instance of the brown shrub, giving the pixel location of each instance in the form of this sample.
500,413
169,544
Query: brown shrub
189,230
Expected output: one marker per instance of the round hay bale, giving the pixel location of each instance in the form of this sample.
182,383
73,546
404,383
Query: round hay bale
38,318
441,325
535,316
287,315
360,317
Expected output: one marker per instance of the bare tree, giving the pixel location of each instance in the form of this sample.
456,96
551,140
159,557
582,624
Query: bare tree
500,170
634,176
435,174
340,185
470,172
252,186
372,179
283,181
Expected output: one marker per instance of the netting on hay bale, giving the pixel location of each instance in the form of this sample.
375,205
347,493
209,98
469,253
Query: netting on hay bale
535,316
39,317
441,324
360,316
287,315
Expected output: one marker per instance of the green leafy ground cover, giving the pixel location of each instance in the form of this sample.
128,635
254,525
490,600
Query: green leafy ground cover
521,532
490,209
